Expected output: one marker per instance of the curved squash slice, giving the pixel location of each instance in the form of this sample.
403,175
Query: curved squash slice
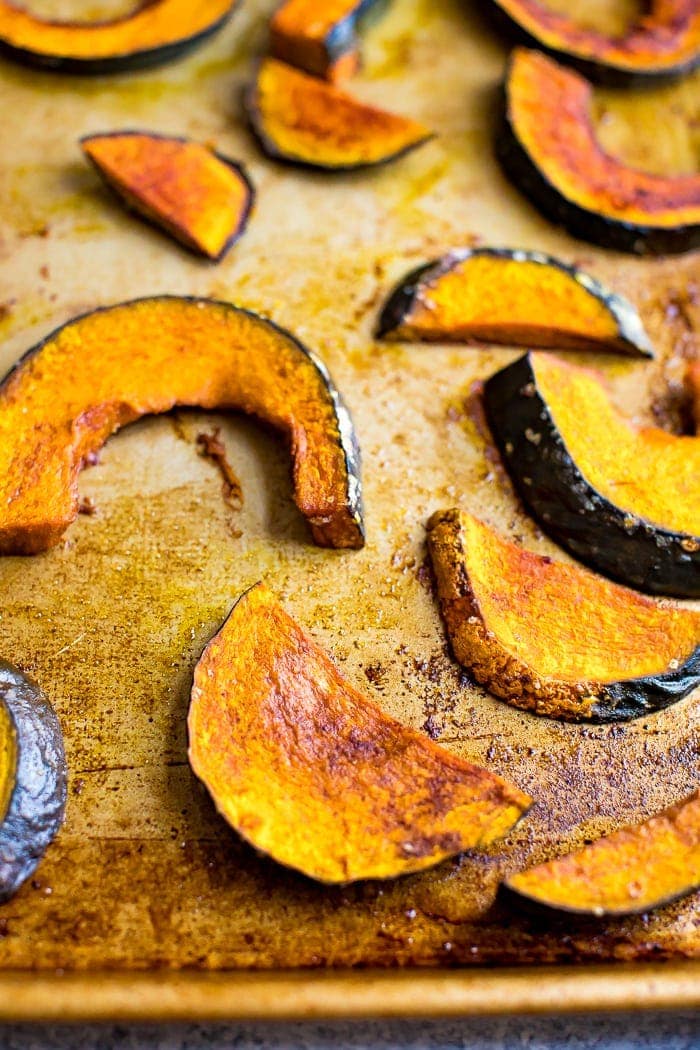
549,149
108,368
312,773
498,295
32,777
664,43
303,120
154,33
201,198
553,638
633,870
623,499
319,36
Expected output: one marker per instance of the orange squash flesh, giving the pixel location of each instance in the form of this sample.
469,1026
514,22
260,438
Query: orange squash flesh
110,367
154,32
550,150
303,120
553,638
499,295
316,776
202,199
633,870
693,380
664,42
318,36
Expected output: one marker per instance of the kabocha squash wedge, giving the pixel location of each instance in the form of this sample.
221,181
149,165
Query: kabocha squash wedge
316,776
319,36
108,368
623,499
633,870
553,638
664,43
32,777
153,33
200,197
548,148
499,295
303,120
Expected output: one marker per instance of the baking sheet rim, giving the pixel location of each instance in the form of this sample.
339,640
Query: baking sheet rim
341,995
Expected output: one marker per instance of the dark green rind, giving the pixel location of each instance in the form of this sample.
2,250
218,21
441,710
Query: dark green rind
598,533
623,701
633,340
122,63
342,39
595,69
37,803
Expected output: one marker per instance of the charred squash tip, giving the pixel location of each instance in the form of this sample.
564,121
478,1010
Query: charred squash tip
548,148
82,383
514,297
318,36
200,197
313,774
154,33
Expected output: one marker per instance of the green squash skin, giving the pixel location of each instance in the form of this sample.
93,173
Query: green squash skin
37,801
582,521
631,340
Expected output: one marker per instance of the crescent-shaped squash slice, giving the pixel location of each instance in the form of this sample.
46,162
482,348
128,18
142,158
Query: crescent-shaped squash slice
548,147
664,43
108,368
312,773
623,499
500,295
32,777
200,197
554,638
155,32
633,870
319,36
303,120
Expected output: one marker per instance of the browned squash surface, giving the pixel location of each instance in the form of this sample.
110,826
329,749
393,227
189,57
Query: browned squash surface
554,638
199,197
693,380
304,120
314,774
318,35
110,367
633,870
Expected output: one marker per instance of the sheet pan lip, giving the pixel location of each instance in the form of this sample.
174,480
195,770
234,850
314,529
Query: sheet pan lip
182,996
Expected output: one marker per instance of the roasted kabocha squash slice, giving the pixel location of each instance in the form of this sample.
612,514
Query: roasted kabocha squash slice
633,870
315,775
499,295
200,197
554,638
32,777
153,33
319,36
623,499
303,120
664,43
548,147
110,367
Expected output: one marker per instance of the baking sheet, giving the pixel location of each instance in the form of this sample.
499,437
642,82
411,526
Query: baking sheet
144,874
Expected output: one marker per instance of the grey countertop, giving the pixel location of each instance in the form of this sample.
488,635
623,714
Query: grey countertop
670,1031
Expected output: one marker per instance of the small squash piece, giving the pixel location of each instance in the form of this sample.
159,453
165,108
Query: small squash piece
553,638
499,295
633,870
110,367
664,43
303,120
319,36
312,773
200,197
548,147
623,499
32,777
152,34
